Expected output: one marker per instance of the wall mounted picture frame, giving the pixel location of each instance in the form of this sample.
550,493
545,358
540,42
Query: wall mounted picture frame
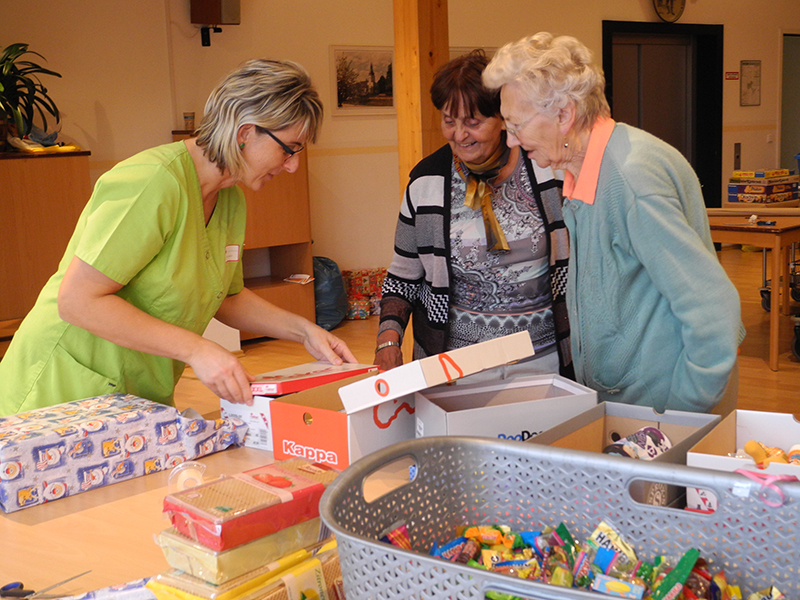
361,80
750,83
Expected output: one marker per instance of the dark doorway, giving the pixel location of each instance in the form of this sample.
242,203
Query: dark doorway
666,78
790,102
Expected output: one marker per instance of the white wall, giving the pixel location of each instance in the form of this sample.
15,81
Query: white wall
114,91
353,174
131,67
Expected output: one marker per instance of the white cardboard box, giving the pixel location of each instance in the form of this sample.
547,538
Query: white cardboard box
258,417
718,448
516,409
609,422
337,424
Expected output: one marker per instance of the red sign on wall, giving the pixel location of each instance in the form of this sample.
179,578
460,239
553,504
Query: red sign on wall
731,75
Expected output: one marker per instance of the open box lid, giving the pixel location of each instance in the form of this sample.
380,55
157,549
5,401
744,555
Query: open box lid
435,370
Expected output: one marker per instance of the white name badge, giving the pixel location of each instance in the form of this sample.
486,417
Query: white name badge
232,253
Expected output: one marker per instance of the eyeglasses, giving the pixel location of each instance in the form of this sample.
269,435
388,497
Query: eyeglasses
515,129
290,151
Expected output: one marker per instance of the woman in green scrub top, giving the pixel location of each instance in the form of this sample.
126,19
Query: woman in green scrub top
157,253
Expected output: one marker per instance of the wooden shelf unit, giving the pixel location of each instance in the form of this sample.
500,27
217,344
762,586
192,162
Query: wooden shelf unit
279,219
43,195
41,198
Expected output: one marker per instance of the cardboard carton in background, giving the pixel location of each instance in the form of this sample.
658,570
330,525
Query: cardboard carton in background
516,408
340,422
436,370
609,422
275,384
718,448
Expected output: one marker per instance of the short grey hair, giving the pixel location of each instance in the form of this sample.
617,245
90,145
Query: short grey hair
272,94
552,71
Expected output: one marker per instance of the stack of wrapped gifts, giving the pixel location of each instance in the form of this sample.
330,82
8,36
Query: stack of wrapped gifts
256,532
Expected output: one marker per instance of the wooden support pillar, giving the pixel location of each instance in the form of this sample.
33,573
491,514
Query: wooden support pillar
421,45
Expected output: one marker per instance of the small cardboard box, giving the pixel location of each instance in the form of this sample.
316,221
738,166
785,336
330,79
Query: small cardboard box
718,448
234,510
337,424
217,568
514,409
609,422
269,386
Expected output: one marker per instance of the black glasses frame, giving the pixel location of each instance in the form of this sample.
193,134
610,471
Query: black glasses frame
290,151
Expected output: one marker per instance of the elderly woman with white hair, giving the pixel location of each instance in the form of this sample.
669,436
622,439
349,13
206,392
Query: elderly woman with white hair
655,320
157,252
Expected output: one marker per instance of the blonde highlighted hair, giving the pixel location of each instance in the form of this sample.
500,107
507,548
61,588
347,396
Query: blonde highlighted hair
552,71
272,94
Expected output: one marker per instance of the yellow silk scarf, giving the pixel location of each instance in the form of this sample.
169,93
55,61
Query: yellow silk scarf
479,193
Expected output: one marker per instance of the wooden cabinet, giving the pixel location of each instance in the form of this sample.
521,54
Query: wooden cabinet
41,198
279,221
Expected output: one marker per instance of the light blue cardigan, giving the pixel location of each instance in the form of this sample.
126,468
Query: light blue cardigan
655,319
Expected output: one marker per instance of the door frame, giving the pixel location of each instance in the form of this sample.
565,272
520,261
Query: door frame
708,41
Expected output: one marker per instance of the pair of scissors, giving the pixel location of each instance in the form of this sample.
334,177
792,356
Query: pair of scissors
18,590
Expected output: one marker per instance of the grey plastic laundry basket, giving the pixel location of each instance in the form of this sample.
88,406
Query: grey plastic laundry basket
483,481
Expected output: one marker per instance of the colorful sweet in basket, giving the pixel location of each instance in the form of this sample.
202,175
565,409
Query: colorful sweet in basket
604,563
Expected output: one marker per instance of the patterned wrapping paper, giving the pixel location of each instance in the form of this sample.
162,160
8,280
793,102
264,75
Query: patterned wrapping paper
363,282
62,450
363,289
358,309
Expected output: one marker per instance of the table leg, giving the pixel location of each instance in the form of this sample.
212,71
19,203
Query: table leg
786,292
774,314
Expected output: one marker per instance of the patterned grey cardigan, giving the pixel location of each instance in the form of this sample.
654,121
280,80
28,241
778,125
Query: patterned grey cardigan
418,280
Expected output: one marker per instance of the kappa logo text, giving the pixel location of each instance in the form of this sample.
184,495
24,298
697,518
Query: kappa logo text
313,454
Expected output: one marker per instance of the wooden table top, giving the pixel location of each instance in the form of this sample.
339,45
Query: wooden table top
735,222
110,531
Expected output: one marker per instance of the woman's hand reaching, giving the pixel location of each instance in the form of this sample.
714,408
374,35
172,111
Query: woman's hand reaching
222,373
323,345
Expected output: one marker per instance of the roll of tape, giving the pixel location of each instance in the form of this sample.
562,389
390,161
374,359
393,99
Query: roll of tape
189,478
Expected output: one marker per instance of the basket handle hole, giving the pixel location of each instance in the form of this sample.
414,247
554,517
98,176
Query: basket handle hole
656,493
389,477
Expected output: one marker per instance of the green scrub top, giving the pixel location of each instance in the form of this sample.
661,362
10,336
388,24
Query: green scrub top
144,228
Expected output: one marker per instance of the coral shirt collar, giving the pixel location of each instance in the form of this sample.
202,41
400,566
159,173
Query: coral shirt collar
585,188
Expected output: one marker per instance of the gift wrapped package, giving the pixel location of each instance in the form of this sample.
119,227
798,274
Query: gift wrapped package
62,450
214,567
311,573
363,282
359,308
234,510
363,288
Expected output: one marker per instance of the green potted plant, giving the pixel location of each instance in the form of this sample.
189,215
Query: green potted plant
22,93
